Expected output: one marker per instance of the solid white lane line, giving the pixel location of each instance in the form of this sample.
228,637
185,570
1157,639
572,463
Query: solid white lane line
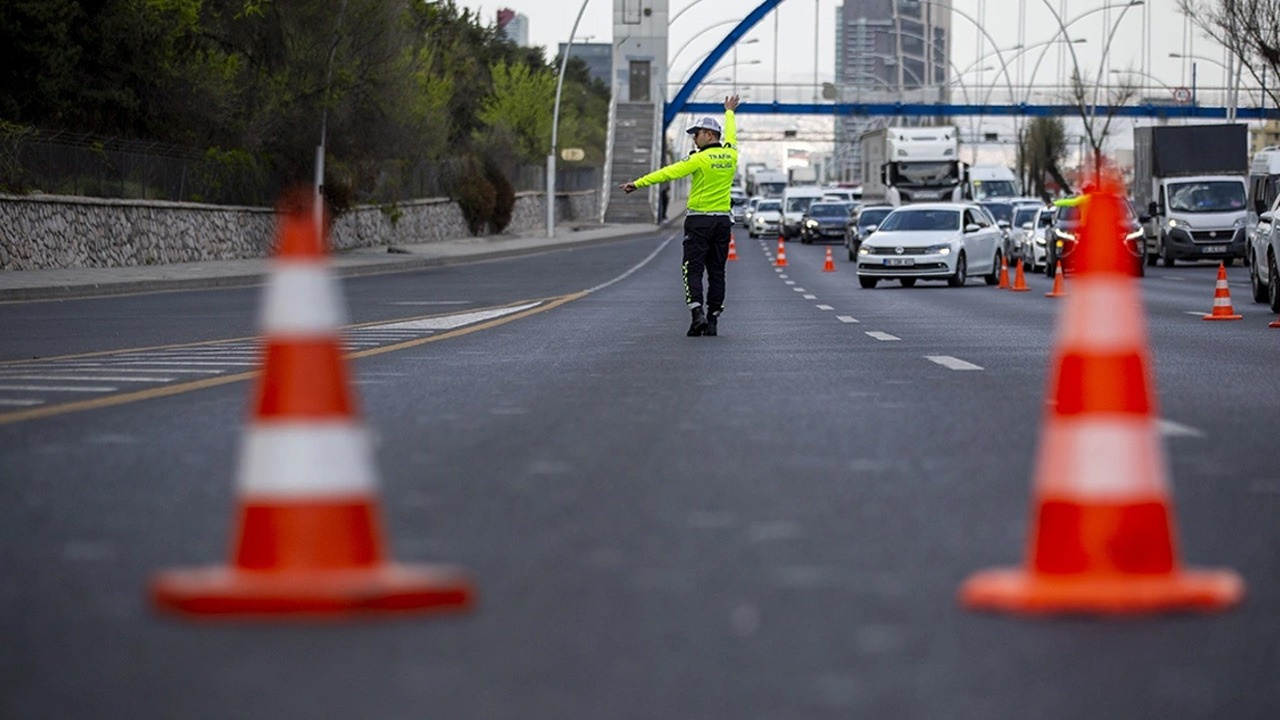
1195,312
54,388
1172,429
882,335
824,307
952,363
14,402
846,318
635,267
431,302
117,368
5,376
810,297
181,361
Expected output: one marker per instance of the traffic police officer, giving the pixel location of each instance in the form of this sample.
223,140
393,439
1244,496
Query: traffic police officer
708,224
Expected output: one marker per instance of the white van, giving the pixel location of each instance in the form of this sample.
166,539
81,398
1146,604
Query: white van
795,202
992,181
1261,248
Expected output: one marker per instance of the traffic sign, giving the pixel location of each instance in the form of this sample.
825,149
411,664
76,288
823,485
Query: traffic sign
572,154
1182,95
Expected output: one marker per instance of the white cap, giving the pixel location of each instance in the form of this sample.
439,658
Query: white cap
706,122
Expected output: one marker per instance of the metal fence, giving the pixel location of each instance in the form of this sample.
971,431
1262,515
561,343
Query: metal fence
93,166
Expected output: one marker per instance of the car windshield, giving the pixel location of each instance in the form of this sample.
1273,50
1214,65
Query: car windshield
1070,214
1207,197
873,216
922,220
828,210
768,206
1024,215
1001,211
993,188
798,205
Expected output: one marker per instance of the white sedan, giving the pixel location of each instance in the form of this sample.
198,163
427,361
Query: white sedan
932,241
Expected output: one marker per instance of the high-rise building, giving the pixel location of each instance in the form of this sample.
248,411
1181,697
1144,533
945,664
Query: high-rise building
887,51
513,26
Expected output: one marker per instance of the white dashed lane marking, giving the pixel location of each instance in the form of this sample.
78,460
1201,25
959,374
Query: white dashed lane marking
799,289
810,297
882,335
1172,429
952,363
846,318
824,307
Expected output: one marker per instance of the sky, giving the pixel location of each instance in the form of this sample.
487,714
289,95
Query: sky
699,30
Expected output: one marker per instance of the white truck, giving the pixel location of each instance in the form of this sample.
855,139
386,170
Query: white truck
764,182
991,181
902,165
1190,182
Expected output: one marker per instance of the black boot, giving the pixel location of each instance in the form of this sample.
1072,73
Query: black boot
698,323
710,330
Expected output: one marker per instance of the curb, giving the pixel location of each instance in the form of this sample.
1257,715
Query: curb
249,279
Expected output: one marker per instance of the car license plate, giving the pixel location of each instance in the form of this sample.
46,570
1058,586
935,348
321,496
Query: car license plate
1213,249
899,261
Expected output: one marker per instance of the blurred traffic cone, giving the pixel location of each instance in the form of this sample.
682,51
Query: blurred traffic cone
308,538
1274,323
1222,309
1019,280
1004,274
1103,533
782,252
830,264
733,251
1058,289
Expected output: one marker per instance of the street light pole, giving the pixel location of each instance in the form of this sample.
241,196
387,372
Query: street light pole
555,126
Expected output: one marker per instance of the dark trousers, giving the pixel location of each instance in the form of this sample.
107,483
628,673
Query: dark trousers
706,247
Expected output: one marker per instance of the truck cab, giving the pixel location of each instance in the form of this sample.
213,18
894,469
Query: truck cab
1199,218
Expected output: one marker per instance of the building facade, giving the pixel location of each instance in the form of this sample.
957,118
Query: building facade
597,56
514,26
887,51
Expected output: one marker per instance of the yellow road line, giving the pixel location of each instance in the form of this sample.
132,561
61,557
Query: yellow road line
178,388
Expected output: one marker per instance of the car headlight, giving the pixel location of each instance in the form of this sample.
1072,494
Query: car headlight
944,249
811,223
1040,240
1175,223
1060,235
865,250
1239,223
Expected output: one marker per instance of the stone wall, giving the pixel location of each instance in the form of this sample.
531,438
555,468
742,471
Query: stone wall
48,231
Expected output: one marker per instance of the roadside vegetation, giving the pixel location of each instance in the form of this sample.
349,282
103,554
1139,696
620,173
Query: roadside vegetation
410,92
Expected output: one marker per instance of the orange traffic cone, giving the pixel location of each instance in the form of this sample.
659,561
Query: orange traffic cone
1058,289
1004,274
1103,532
1019,280
1274,323
308,538
733,251
782,252
1222,309
829,265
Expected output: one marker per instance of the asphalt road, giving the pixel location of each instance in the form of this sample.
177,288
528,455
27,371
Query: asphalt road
771,523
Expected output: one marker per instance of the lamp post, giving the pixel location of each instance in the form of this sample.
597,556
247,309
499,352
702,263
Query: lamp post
555,126
752,41
1232,97
1062,32
697,35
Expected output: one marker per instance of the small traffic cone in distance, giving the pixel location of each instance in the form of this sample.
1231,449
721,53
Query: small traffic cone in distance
1058,289
1004,274
830,264
1102,538
1222,309
733,251
308,538
1274,323
782,252
1019,280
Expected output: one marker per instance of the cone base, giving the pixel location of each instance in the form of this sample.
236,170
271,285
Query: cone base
1222,317
1274,324
1020,289
1019,591
1055,294
235,594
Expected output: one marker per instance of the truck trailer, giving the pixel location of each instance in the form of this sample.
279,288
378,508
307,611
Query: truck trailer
918,164
1190,182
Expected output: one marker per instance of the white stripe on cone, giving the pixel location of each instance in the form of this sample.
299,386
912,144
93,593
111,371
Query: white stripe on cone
1102,457
302,299
1222,302
296,459
1102,314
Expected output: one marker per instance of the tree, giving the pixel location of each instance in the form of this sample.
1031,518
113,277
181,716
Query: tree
1088,101
1249,29
521,103
1043,146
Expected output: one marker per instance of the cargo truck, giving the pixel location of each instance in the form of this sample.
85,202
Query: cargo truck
1189,180
917,164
